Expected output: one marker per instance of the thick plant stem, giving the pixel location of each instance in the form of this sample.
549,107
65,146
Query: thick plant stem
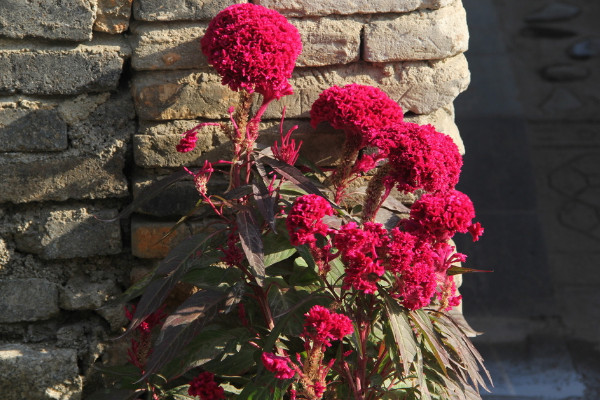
375,195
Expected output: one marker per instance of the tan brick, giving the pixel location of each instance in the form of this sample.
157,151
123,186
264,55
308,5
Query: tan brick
148,237
167,46
181,95
346,7
328,41
421,35
113,16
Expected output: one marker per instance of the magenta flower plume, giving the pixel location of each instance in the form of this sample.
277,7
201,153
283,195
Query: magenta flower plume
423,158
304,219
357,109
278,365
321,326
206,388
253,48
440,215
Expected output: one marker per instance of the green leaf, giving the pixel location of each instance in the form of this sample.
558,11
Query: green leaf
233,364
423,323
403,334
277,248
212,276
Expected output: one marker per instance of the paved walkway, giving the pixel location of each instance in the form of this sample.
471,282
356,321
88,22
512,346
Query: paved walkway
531,125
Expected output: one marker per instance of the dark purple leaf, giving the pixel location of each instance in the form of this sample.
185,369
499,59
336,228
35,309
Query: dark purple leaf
148,193
187,322
238,192
456,270
168,273
265,202
292,174
424,325
250,238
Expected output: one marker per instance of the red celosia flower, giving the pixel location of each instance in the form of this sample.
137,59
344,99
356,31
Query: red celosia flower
205,387
322,325
279,365
188,142
201,177
357,109
440,215
304,219
423,158
253,48
288,151
417,285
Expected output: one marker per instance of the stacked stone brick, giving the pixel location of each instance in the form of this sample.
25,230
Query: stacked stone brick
94,95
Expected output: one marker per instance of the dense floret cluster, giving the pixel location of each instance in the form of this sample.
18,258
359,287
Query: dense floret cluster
205,387
322,326
253,48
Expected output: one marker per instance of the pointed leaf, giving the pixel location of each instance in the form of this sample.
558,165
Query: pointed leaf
265,202
150,192
238,192
293,175
402,331
187,322
423,323
456,270
252,245
169,272
277,248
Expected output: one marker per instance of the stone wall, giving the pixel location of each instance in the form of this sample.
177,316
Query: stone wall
93,97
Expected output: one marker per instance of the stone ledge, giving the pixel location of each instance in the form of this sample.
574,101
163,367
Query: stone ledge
327,7
179,10
418,86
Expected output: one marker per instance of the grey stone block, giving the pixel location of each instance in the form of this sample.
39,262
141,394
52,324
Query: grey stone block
346,7
81,294
27,300
33,68
173,10
48,19
423,35
68,232
36,373
28,130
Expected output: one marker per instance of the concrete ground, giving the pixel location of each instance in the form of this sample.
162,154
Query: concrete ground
531,125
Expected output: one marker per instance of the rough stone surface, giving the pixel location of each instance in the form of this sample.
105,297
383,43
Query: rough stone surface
346,7
68,232
155,145
181,95
98,128
419,86
166,46
36,373
81,294
113,16
27,300
27,129
48,19
33,68
328,41
173,10
423,35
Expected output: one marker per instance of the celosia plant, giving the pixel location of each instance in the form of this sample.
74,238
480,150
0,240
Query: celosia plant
300,292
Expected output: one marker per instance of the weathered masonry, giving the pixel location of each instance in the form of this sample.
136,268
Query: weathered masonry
93,97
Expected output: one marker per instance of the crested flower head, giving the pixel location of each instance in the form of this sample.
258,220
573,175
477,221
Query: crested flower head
440,215
305,219
322,325
423,158
357,109
253,48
